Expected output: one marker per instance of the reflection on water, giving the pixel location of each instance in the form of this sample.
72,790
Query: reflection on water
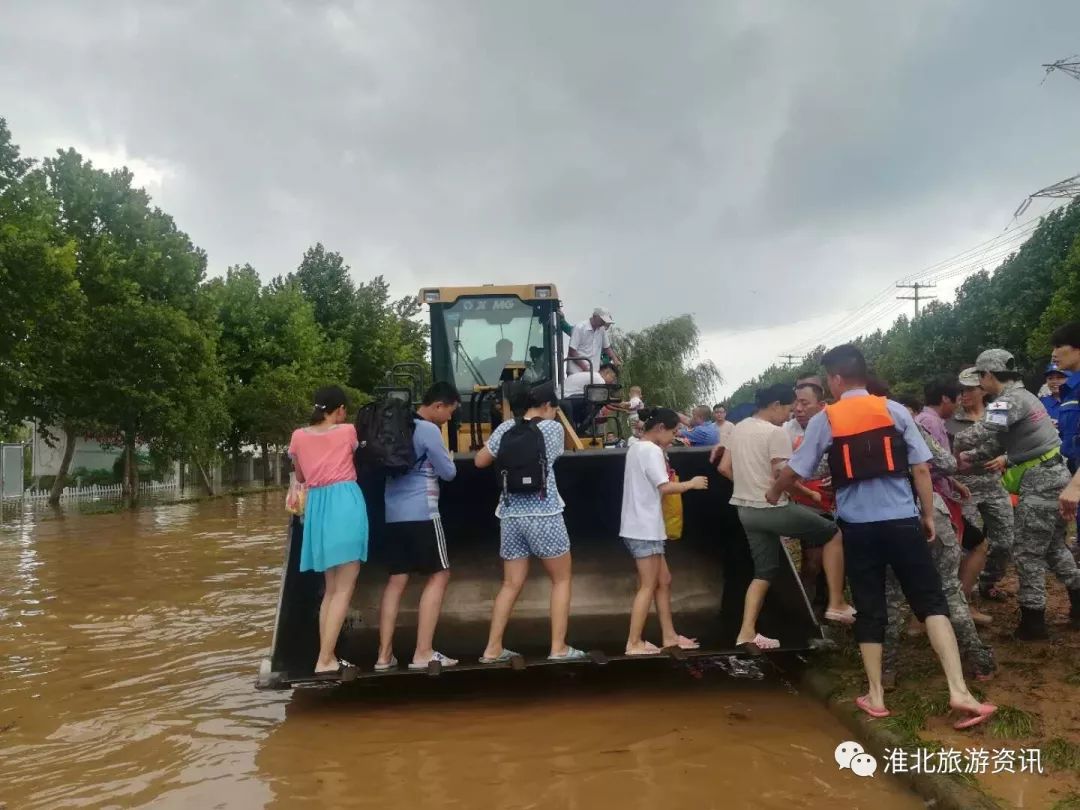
129,644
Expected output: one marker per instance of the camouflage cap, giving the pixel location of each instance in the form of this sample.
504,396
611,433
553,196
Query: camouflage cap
969,378
995,360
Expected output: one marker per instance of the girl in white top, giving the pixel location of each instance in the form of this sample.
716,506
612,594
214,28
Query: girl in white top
645,480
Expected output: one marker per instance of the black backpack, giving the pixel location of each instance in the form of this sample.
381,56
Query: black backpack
385,431
521,465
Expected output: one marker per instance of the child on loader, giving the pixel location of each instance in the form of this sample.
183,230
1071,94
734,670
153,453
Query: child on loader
642,528
524,451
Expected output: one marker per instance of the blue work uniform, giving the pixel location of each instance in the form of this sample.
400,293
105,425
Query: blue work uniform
1068,419
1052,405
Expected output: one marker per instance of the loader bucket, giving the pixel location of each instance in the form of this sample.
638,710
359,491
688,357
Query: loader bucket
710,565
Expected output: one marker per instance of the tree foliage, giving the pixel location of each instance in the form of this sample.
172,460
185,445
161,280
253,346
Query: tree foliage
662,359
376,330
109,326
41,304
1015,307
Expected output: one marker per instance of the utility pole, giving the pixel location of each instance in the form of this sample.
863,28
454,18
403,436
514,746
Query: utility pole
916,297
789,359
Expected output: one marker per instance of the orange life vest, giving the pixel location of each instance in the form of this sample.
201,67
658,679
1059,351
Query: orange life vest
866,442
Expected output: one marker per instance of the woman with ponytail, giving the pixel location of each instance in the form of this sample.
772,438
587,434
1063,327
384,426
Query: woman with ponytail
645,480
335,516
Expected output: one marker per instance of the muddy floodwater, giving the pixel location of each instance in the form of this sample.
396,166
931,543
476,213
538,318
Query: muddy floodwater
129,645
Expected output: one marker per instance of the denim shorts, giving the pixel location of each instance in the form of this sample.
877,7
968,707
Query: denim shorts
643,548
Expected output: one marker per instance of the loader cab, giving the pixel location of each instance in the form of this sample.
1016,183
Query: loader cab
482,337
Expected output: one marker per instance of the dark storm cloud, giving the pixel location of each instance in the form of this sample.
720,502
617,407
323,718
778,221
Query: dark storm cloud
655,158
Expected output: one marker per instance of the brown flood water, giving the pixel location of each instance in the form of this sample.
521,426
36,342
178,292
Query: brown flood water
129,645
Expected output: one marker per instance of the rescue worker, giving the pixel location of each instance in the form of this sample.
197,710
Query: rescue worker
1054,377
988,500
1037,473
947,554
1066,343
875,453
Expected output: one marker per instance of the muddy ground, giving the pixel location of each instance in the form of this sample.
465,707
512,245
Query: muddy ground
1037,690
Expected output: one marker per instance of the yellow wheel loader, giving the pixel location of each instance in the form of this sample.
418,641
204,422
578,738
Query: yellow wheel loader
481,338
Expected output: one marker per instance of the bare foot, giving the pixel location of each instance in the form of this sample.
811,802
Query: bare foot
682,642
965,703
323,666
642,648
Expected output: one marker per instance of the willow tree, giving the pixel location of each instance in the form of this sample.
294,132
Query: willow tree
663,360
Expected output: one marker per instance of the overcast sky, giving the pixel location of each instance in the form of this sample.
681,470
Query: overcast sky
766,165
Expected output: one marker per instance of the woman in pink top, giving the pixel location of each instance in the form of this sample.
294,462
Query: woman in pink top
335,516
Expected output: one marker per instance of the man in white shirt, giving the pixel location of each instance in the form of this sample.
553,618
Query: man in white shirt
574,385
589,341
757,450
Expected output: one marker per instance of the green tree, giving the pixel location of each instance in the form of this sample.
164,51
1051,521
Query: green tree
274,356
376,330
144,367
662,359
41,304
1016,307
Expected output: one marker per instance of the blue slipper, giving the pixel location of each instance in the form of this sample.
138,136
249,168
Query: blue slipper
571,654
501,658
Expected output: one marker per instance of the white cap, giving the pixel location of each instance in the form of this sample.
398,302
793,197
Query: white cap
603,315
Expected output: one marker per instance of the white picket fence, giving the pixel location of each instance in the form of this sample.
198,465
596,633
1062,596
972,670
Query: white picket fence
95,492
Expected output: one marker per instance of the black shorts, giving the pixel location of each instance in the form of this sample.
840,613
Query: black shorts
870,548
973,536
416,547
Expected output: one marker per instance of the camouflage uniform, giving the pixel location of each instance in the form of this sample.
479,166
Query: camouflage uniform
946,552
1024,429
988,500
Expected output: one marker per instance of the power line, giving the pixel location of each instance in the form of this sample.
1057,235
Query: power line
884,304
789,359
916,297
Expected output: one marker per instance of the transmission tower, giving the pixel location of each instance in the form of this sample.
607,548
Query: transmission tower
916,297
1063,190
789,359
1070,66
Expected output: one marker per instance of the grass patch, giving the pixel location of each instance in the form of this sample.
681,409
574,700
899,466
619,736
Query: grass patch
1073,678
1070,802
911,710
1061,754
1010,723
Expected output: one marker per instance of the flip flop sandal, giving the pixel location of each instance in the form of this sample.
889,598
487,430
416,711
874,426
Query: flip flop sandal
502,658
329,675
863,702
571,654
437,657
345,664
390,665
841,617
985,711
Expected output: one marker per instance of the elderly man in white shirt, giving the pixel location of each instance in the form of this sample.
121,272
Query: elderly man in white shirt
588,342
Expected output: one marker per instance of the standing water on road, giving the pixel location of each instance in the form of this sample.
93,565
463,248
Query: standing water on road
129,645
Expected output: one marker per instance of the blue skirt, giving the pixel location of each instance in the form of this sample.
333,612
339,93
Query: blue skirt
335,527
